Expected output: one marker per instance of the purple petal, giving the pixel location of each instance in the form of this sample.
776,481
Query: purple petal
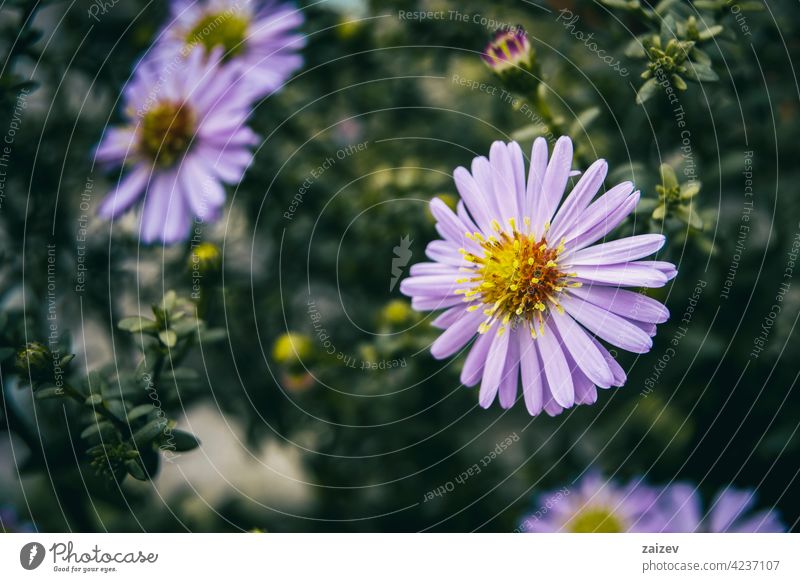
729,505
578,200
503,182
531,372
624,303
433,303
457,335
435,285
624,274
473,198
607,326
681,508
508,384
493,371
535,175
619,251
555,180
448,318
559,378
585,353
476,360
126,193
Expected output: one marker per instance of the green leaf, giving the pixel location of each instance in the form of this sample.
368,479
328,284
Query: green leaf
49,393
679,83
531,131
185,326
103,428
168,337
584,120
181,441
135,470
635,48
690,190
710,32
622,4
94,400
689,216
659,212
668,178
700,72
139,411
646,91
213,335
149,432
168,303
662,6
136,324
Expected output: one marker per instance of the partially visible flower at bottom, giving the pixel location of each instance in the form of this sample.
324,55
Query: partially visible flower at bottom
11,523
730,512
596,505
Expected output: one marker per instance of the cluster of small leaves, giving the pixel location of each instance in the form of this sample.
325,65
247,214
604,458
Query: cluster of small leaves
174,322
672,46
126,423
675,199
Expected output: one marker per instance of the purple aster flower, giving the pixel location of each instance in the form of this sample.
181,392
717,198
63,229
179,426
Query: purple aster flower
184,137
258,38
10,522
730,512
523,273
596,506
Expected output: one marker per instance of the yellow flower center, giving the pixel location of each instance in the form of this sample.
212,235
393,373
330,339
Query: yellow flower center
518,277
595,520
166,132
224,29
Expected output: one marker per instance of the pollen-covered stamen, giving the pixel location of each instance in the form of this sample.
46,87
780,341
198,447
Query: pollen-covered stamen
226,29
517,278
167,130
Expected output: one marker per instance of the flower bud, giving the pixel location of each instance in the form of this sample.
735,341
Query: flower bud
396,312
206,259
35,359
291,348
512,58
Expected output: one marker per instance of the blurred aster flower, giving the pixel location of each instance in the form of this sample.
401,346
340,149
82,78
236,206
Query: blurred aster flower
525,275
730,512
257,38
597,506
184,138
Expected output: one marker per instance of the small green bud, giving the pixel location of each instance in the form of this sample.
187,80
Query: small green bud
35,359
291,347
396,312
206,259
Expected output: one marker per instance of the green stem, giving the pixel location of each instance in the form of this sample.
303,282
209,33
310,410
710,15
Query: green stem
101,409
